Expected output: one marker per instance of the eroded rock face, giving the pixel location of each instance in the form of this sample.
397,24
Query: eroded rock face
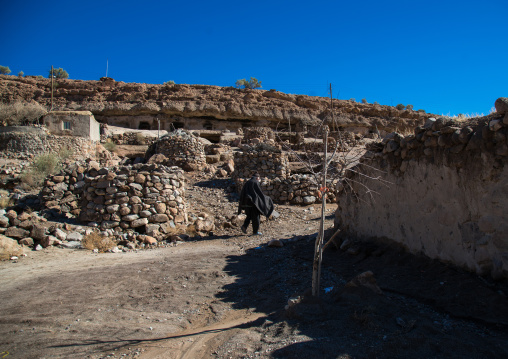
442,192
199,106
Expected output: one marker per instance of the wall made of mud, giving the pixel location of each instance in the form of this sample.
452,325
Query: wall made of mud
442,192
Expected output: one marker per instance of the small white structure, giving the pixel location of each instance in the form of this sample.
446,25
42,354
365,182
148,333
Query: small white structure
73,123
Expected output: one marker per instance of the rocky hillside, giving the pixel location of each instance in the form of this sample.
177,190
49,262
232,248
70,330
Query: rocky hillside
108,99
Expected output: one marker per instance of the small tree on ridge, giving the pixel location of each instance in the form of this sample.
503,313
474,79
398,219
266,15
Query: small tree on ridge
5,70
59,73
253,83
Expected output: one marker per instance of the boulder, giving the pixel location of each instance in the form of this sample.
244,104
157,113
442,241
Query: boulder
501,105
9,247
17,233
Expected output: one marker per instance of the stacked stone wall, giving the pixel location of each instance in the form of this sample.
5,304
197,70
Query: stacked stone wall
143,198
442,191
277,181
261,133
27,145
182,149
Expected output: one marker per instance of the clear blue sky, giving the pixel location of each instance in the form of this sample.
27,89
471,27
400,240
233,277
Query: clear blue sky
446,57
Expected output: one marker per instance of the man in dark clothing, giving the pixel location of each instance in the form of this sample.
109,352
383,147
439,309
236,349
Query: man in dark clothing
255,203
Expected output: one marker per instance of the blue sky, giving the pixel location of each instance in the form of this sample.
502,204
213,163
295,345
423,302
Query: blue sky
446,57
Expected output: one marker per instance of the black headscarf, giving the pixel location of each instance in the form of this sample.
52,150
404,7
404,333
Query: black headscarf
253,196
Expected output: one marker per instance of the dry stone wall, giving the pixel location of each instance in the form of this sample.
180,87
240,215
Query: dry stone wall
444,193
27,145
143,198
278,183
181,148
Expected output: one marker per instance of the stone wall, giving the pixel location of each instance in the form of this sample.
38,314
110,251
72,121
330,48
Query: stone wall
443,193
27,145
144,198
181,148
277,181
261,133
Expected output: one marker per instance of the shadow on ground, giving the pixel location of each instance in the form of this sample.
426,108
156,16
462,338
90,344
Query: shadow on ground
426,309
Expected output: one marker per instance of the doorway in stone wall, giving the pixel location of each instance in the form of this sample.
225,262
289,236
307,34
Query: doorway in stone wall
143,125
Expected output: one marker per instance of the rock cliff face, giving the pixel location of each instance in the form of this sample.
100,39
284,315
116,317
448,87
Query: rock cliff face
442,192
196,107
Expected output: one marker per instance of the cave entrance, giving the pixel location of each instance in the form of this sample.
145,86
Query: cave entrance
143,125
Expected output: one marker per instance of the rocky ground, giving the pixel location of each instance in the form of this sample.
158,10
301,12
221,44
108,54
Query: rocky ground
230,295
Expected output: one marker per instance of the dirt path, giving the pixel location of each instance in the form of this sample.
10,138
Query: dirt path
224,297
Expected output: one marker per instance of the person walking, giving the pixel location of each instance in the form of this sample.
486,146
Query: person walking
255,203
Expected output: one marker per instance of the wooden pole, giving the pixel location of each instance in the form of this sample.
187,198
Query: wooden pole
51,109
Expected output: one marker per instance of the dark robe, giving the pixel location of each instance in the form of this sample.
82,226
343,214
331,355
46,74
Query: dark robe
252,196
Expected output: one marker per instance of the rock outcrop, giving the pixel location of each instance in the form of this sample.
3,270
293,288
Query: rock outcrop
202,107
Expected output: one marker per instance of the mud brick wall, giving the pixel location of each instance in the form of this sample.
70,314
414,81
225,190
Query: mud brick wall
445,193
144,198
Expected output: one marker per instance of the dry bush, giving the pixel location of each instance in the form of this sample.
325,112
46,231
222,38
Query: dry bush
110,146
5,200
44,165
19,113
97,241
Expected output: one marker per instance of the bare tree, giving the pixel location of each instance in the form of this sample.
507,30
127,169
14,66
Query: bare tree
328,158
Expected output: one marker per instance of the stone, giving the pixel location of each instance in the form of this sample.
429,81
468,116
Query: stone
17,233
204,225
9,247
108,224
367,280
495,125
501,105
50,241
149,240
139,222
4,221
24,217
160,207
27,242
130,217
61,235
74,236
275,243
309,200
11,214
72,245
124,211
159,218
152,230
145,213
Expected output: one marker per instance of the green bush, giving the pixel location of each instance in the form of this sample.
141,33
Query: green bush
352,99
409,107
253,83
5,70
21,74
170,82
59,73
400,106
364,100
44,165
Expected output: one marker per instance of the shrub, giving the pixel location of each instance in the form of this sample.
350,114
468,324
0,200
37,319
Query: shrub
400,106
376,103
59,73
352,99
170,82
18,113
140,139
253,83
110,146
97,241
5,70
44,165
21,74
5,200
409,107
364,100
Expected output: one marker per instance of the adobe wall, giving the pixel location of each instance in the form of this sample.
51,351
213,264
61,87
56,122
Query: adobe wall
443,193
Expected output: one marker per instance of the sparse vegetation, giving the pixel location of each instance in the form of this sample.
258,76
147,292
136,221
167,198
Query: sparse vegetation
21,113
5,199
21,74
59,73
364,100
376,103
352,99
5,70
409,107
110,146
97,241
170,82
140,138
44,165
400,107
253,83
